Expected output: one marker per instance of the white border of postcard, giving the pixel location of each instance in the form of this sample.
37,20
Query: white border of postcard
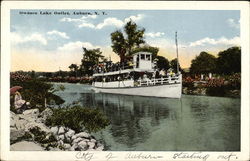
6,154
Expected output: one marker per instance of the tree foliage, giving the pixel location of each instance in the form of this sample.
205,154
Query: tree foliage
118,44
91,57
74,68
134,36
229,61
162,62
173,65
78,119
203,64
124,44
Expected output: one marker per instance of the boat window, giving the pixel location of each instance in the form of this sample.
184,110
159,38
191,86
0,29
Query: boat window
142,56
147,57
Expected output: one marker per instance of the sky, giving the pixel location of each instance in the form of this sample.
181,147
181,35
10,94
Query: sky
49,40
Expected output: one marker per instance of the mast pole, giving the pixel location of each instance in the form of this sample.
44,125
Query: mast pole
176,43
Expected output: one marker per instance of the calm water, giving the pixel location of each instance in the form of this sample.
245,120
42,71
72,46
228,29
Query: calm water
193,123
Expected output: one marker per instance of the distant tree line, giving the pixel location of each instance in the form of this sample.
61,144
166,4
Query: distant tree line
227,62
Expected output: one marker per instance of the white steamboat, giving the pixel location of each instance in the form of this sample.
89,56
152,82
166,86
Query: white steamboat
139,78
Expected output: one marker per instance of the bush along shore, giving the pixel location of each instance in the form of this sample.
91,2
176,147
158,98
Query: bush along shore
32,128
227,86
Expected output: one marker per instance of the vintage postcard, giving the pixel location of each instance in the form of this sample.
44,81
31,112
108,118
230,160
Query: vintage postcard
128,80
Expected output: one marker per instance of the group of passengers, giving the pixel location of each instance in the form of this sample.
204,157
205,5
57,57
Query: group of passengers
163,73
112,78
109,66
141,76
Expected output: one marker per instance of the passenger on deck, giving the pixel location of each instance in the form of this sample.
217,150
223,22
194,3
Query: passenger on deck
162,73
145,77
157,74
154,75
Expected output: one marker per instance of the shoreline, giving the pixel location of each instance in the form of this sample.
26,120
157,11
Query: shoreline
198,91
202,92
29,129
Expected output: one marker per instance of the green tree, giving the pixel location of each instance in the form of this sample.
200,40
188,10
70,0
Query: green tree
91,57
74,68
173,65
124,44
162,62
118,44
203,64
229,61
134,36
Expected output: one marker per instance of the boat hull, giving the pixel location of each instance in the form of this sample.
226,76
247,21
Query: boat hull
167,90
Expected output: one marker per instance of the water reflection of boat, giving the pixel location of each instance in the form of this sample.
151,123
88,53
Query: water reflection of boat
134,104
133,117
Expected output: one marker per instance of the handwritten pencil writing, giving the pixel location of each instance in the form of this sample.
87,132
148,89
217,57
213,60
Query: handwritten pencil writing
196,155
87,156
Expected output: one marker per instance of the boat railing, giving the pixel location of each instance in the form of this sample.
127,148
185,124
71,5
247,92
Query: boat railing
158,81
